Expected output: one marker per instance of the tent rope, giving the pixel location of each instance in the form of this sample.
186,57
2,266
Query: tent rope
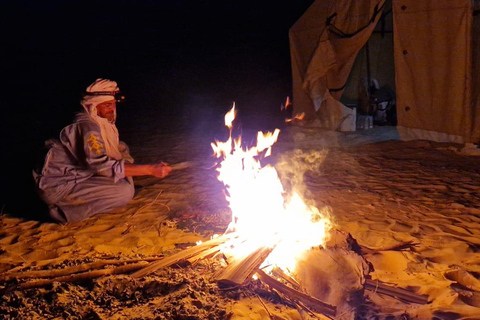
331,27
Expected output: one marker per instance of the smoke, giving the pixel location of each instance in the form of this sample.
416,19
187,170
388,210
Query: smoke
294,166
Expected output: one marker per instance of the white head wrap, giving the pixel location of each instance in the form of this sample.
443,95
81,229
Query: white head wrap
90,102
108,130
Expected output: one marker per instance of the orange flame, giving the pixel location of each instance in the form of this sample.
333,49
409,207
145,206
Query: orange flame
298,117
230,116
260,212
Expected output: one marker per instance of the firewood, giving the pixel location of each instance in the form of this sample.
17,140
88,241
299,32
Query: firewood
181,165
179,257
205,254
83,276
52,273
241,269
305,313
377,286
293,294
279,273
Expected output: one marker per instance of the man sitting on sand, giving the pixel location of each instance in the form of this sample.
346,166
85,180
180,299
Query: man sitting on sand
88,171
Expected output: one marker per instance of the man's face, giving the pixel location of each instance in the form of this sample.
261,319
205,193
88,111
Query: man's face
107,110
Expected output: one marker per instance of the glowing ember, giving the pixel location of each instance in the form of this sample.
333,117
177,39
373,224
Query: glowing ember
299,117
262,215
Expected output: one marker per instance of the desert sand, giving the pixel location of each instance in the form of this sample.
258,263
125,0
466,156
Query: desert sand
384,192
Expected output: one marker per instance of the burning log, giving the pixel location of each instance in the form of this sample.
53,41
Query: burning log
277,272
180,256
203,255
240,270
293,294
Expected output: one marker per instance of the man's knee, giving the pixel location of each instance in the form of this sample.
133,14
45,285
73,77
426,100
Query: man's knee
125,190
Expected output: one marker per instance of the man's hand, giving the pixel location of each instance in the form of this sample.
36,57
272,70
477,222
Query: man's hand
160,170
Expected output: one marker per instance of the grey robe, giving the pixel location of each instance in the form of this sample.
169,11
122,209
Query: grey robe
78,178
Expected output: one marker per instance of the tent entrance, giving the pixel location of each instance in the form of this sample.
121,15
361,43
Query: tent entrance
428,65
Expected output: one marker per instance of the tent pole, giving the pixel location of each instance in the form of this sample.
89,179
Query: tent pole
367,54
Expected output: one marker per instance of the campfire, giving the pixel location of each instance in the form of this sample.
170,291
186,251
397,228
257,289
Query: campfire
263,215
274,238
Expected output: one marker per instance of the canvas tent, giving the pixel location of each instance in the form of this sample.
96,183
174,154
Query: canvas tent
436,63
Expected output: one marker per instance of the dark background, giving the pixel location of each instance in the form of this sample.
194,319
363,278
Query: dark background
181,64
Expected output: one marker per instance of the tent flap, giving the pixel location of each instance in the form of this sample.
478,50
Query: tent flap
433,67
322,57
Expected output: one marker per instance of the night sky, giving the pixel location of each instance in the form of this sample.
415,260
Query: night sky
158,51
176,61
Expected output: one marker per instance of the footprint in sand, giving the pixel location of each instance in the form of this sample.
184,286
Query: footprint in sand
96,228
428,229
8,240
467,285
464,278
51,237
469,297
40,254
455,230
401,227
474,211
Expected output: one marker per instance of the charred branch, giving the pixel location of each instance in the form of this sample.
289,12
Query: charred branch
293,294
